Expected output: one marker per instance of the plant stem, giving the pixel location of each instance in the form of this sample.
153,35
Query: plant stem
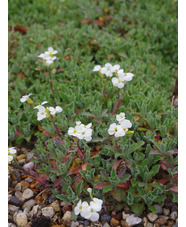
51,84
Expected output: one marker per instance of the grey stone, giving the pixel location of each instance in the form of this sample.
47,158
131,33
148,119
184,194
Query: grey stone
175,225
35,209
106,224
67,216
47,211
149,225
21,220
29,165
124,215
132,220
158,208
30,203
18,187
28,193
15,201
166,212
21,161
13,208
30,156
152,216
29,180
74,223
173,215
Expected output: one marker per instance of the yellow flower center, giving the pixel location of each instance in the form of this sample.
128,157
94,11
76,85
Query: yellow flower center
80,207
115,130
74,131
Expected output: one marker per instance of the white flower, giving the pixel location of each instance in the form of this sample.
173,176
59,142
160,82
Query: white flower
125,76
115,68
118,82
12,150
41,114
81,131
116,130
120,117
126,124
43,103
55,110
25,98
81,208
96,204
107,70
97,68
10,158
91,214
51,51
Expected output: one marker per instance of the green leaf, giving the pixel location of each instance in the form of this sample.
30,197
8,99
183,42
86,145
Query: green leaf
152,208
137,208
130,199
107,188
79,188
135,147
62,197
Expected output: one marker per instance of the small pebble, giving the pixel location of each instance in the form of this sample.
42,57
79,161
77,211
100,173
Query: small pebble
74,223
149,225
29,180
122,223
15,201
152,216
19,157
106,224
29,165
124,215
162,220
21,220
158,208
29,203
67,216
30,156
51,199
173,215
166,212
19,195
26,210
175,225
18,187
22,161
28,193
132,220
105,218
55,206
47,211
85,223
35,209
13,208
145,221
114,222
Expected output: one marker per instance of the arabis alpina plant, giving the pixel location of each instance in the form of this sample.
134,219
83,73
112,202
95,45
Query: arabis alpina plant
80,208
54,110
26,98
81,131
120,117
11,152
51,52
42,113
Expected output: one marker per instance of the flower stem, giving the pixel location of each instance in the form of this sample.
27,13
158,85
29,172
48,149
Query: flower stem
51,84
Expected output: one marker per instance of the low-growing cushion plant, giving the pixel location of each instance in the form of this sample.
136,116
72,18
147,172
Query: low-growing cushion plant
138,168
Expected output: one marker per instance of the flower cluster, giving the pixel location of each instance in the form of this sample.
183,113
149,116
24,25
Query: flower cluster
48,57
46,112
81,131
89,211
120,77
11,152
120,129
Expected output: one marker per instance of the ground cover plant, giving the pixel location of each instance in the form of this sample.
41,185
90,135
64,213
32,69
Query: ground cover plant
91,92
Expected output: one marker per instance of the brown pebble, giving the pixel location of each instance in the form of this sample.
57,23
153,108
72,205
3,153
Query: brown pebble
22,156
162,220
22,161
114,222
122,222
